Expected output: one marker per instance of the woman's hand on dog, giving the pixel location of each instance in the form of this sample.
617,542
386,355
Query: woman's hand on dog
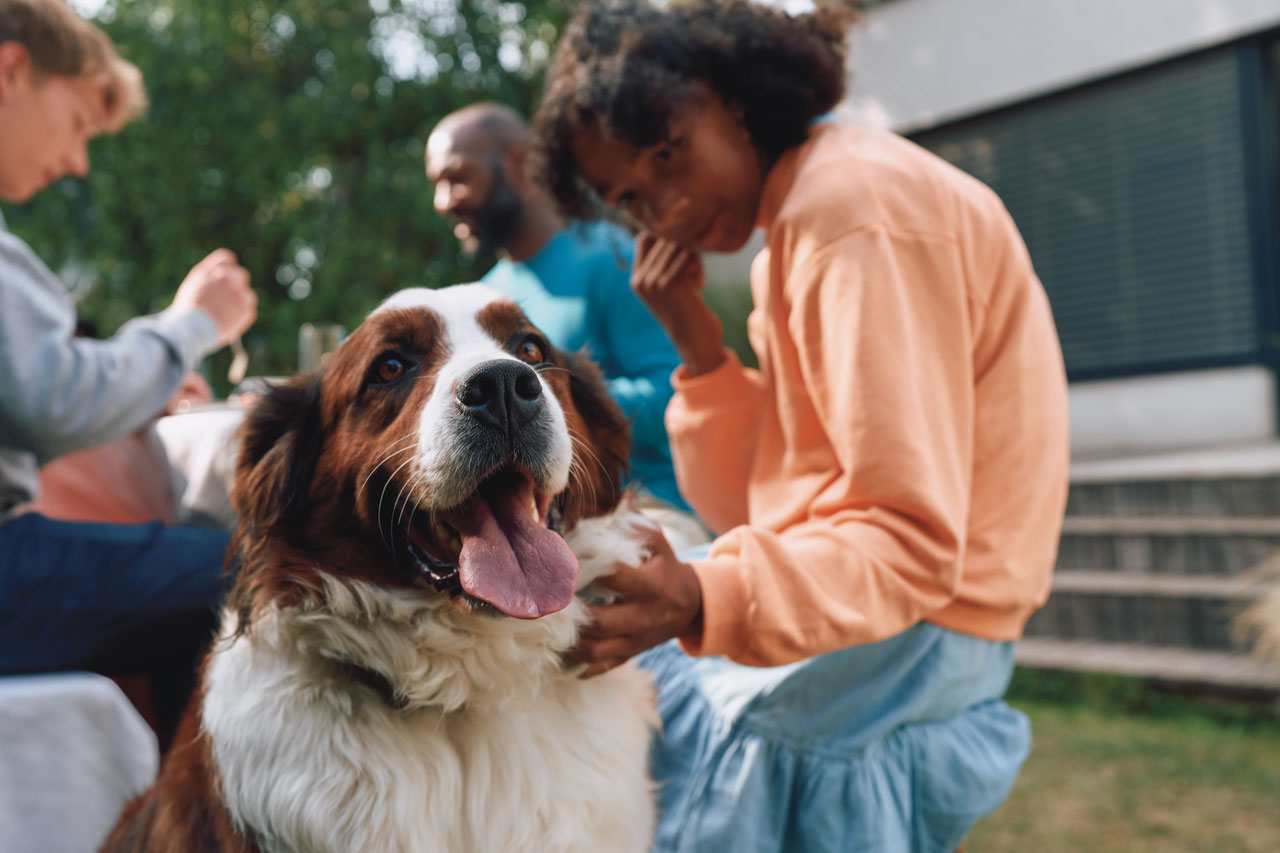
656,600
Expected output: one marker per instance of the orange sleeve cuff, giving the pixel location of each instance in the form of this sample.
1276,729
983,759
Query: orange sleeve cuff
726,607
727,384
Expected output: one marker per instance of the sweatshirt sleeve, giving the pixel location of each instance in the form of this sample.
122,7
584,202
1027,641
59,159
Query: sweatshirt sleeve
712,421
881,331
63,393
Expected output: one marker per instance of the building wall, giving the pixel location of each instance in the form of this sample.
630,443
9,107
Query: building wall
1137,415
919,63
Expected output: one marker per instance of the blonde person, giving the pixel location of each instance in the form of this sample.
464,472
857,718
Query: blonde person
112,598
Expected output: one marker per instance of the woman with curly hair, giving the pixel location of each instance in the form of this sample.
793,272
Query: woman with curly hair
888,486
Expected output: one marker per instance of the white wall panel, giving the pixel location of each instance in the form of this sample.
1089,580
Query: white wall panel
916,63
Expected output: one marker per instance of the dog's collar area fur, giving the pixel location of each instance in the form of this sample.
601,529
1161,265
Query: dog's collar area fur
351,672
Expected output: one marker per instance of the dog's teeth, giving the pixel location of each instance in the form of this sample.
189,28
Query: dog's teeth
533,508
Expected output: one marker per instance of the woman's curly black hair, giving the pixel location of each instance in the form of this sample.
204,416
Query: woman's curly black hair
622,68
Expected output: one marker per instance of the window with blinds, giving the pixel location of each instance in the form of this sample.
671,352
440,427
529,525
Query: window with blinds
1132,196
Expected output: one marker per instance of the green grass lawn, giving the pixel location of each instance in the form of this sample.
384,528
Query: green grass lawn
1140,775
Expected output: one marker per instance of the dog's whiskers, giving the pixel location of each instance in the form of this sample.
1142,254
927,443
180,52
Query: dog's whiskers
547,367
408,490
382,497
387,458
582,454
401,494
583,447
579,485
580,443
431,514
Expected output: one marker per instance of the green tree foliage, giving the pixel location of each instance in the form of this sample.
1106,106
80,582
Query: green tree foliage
291,132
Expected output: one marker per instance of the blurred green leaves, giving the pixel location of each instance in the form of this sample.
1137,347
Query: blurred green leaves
291,132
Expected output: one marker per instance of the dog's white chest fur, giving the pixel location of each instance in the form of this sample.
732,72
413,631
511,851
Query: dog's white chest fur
499,749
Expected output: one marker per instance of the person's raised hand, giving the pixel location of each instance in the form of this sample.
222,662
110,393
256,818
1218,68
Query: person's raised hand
656,600
668,278
219,286
193,391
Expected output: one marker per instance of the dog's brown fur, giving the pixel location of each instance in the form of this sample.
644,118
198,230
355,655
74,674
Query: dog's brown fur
308,450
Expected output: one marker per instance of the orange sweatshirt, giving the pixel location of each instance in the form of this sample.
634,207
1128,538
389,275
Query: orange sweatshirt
901,454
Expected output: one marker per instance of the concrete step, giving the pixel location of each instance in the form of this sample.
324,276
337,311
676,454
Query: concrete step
1188,611
1154,566
1167,586
1170,526
1255,496
1191,545
1176,666
1225,480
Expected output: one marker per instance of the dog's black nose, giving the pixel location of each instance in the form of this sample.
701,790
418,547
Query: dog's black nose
502,393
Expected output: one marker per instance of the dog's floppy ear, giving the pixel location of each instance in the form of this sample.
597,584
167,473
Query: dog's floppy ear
280,444
609,433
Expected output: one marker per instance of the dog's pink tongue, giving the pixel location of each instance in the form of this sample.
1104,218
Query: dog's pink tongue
511,561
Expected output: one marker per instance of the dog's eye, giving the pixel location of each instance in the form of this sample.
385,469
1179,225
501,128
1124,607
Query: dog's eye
388,369
530,351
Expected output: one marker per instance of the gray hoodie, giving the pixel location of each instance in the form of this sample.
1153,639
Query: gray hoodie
59,393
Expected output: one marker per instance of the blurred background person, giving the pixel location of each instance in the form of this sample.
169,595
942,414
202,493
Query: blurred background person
111,598
125,481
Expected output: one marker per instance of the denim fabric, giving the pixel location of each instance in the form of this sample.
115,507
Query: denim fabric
119,599
899,745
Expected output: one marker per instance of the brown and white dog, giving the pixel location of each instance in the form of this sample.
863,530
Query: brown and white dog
388,675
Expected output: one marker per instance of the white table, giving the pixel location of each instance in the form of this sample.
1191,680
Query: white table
73,751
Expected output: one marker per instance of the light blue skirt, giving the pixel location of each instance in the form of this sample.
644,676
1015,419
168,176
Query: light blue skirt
896,746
